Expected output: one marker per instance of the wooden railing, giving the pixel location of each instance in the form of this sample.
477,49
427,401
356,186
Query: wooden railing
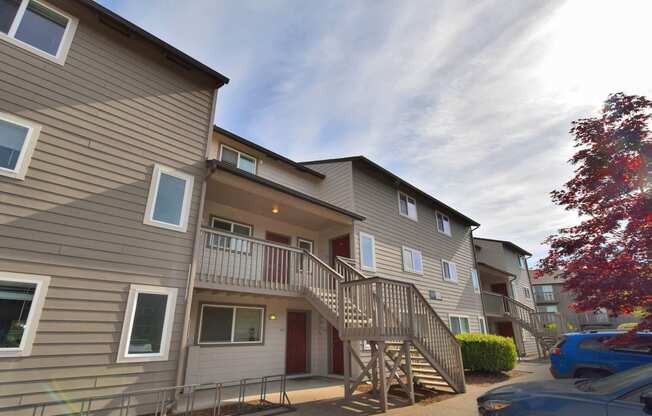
346,268
392,310
231,259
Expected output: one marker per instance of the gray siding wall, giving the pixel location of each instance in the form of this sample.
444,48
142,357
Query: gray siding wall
337,187
377,200
113,110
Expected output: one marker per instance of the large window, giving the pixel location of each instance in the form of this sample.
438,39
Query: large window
17,141
21,302
443,223
238,159
235,244
459,324
168,204
412,261
407,206
226,324
367,252
449,271
37,26
147,326
475,281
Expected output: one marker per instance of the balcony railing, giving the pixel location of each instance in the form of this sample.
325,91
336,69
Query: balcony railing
543,297
231,259
591,318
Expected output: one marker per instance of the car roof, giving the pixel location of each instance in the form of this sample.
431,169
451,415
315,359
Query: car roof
604,333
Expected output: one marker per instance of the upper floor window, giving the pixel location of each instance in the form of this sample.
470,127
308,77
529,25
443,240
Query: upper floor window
449,271
229,243
407,206
17,142
367,252
475,281
547,308
38,27
526,293
238,159
168,204
21,300
443,223
412,261
521,262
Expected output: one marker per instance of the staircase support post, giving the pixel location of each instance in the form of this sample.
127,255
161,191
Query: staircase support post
407,348
382,376
347,370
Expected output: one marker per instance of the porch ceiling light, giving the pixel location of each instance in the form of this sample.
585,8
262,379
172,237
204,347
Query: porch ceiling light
275,209
273,317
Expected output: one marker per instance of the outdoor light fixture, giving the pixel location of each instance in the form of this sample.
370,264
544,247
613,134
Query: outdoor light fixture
273,317
275,209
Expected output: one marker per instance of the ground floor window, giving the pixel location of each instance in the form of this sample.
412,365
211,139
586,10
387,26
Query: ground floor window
483,325
459,324
21,301
147,327
230,324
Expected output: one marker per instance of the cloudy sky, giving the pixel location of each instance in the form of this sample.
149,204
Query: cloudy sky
470,101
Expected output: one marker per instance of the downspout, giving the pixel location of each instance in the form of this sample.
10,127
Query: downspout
183,348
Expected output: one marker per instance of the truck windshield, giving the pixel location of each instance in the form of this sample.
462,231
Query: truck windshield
617,381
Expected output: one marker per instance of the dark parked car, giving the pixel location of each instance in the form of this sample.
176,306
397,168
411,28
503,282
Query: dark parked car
588,354
627,393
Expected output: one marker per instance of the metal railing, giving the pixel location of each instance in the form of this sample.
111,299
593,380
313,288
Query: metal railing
593,318
161,401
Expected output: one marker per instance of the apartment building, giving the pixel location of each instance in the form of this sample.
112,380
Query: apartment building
505,277
103,139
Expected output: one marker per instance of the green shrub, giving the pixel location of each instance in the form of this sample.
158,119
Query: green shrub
489,353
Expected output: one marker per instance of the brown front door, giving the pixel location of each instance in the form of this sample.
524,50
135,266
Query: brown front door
337,352
277,261
505,329
296,349
500,288
340,246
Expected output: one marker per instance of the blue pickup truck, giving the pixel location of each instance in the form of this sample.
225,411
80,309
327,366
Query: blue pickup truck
588,354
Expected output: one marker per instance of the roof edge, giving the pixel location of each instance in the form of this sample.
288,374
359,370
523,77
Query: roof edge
508,243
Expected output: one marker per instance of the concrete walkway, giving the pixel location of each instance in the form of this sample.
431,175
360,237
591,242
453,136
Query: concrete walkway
327,400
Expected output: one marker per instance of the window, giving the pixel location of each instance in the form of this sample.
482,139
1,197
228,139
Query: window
43,29
223,242
513,286
21,301
407,206
226,324
17,142
544,293
412,261
526,293
238,159
521,262
547,308
449,271
594,344
367,252
147,327
475,281
443,223
168,204
459,324
307,245
483,325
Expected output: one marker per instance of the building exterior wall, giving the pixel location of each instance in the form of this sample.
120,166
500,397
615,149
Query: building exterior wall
113,110
337,187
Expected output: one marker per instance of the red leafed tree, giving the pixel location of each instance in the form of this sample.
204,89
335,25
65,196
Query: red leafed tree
606,260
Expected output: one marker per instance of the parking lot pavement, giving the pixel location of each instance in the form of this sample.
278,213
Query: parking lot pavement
459,405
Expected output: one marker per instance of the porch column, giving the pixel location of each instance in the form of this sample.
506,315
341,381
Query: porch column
382,377
347,370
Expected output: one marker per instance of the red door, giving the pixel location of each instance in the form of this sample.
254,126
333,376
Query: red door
340,246
337,352
500,288
505,329
277,260
296,349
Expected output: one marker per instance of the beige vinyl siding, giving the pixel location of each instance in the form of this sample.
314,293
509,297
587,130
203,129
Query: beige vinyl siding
337,187
377,200
113,110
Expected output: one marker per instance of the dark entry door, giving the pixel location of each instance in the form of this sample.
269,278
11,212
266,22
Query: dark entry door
277,261
296,350
340,246
500,288
505,329
337,352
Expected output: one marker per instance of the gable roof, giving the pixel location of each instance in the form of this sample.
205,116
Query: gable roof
123,23
268,152
397,180
508,244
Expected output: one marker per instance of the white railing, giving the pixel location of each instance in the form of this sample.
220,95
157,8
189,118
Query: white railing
593,318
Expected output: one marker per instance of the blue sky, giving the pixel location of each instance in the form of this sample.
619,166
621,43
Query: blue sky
470,101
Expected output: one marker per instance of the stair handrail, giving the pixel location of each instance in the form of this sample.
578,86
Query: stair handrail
344,263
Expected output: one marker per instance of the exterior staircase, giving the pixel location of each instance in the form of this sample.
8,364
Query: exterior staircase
394,318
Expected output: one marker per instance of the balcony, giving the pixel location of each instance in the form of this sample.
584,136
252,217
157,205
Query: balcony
593,318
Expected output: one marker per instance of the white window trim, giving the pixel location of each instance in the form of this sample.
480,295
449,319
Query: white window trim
521,262
483,324
305,240
450,322
478,289
123,351
234,307
408,198
223,146
153,193
453,279
411,250
216,218
373,252
66,40
26,342
448,219
26,152
527,293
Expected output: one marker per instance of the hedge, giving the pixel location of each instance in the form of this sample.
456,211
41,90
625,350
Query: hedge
489,353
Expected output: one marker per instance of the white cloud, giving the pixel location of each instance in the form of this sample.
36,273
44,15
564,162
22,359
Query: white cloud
471,101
